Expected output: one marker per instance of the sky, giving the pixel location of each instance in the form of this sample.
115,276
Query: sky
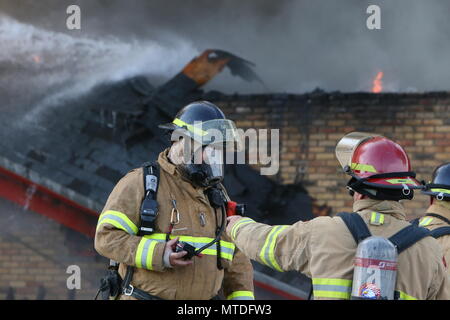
297,45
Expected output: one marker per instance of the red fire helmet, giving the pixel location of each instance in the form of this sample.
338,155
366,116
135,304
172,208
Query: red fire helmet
375,162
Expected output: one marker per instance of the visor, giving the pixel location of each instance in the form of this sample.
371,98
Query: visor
214,159
347,145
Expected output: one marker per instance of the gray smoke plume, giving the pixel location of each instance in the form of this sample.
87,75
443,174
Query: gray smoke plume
297,45
41,68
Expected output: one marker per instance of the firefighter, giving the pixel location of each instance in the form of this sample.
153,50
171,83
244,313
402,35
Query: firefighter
171,250
437,217
324,248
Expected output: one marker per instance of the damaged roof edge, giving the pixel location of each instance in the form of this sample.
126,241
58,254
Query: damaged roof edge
57,188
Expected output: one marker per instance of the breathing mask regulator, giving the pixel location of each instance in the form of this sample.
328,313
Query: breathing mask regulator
205,168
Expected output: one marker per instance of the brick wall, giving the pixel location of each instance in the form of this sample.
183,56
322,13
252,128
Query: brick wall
35,253
312,124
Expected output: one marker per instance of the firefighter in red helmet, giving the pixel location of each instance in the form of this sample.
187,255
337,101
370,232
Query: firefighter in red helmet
324,248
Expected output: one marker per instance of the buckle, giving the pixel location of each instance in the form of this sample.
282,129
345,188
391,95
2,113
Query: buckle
406,191
129,290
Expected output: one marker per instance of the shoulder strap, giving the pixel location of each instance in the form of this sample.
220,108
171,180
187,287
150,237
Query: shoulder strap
151,176
402,239
149,207
149,211
415,221
409,235
357,226
435,215
439,232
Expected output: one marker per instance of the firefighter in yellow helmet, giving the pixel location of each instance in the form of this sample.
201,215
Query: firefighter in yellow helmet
166,230
437,216
324,248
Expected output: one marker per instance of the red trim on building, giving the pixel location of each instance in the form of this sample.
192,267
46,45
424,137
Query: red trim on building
276,291
40,199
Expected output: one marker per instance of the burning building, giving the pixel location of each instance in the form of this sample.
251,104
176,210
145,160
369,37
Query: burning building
58,165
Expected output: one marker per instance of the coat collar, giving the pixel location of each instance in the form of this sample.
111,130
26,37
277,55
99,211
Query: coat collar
165,164
382,206
185,185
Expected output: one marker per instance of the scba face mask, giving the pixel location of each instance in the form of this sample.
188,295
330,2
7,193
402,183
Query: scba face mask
206,166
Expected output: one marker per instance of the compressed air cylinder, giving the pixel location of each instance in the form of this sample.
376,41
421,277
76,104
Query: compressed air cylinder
375,270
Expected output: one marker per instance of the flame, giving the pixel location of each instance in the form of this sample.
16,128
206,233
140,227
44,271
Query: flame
37,59
377,83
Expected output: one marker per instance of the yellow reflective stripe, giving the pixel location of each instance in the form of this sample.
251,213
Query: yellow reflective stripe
238,224
190,127
377,218
267,253
332,288
425,221
332,281
118,220
213,252
227,244
239,295
440,190
404,296
144,254
162,236
331,294
227,251
397,181
363,167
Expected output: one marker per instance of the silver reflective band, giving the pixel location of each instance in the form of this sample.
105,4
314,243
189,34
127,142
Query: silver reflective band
119,220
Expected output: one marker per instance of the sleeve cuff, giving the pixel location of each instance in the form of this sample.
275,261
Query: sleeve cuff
241,295
149,255
237,225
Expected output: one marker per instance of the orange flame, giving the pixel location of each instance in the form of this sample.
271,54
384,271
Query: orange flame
377,83
37,59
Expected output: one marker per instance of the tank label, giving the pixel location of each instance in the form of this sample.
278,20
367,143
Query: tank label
376,264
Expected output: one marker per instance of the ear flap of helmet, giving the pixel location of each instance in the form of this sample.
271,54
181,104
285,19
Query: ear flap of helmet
378,193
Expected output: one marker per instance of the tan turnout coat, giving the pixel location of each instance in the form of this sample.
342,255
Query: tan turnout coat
116,239
324,250
434,223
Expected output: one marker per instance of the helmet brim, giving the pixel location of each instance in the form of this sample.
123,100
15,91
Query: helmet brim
168,126
440,192
395,183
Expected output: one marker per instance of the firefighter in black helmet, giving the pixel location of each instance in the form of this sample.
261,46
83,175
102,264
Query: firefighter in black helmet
205,125
185,255
437,217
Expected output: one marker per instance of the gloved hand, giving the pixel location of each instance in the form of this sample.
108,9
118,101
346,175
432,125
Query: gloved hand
172,258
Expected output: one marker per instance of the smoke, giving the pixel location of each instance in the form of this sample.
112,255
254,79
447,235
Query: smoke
297,45
42,68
